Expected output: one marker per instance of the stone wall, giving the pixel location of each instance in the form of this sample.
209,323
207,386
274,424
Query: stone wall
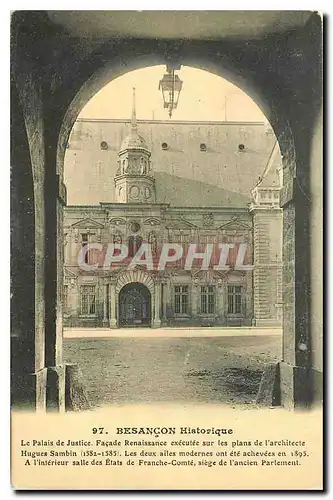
170,225
221,175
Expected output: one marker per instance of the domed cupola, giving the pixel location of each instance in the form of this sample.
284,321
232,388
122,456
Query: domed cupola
134,181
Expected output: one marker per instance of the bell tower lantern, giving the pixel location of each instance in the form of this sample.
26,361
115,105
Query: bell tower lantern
134,181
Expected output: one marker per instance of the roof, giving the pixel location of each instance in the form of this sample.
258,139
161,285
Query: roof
133,141
218,174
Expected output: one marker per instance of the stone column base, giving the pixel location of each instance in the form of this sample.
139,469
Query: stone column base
269,389
317,378
105,323
76,397
55,388
40,391
296,386
267,323
113,323
156,323
28,391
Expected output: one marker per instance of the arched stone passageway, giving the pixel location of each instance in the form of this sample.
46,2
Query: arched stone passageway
23,257
146,54
60,72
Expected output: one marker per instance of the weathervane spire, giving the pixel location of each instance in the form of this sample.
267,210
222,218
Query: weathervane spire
134,125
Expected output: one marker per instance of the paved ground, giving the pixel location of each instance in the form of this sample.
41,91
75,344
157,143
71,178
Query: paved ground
177,370
72,333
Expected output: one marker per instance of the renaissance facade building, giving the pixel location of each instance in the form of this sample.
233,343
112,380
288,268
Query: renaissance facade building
189,185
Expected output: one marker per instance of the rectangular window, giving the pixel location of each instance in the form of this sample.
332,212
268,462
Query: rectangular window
234,299
88,300
90,256
84,240
181,299
65,299
208,300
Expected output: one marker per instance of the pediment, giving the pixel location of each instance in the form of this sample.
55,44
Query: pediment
117,221
209,275
180,224
234,275
87,223
68,273
235,224
179,271
152,221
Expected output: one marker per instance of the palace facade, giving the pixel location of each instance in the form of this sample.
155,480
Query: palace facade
172,183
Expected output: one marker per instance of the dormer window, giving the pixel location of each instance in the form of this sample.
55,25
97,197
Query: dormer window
203,147
241,147
104,145
165,146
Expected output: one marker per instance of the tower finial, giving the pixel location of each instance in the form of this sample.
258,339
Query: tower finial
134,125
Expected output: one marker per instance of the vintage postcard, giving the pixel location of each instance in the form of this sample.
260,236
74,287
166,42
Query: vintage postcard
166,230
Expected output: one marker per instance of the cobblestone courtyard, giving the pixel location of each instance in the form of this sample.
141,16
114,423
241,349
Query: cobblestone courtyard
178,370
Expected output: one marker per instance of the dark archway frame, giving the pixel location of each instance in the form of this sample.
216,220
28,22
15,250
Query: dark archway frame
56,74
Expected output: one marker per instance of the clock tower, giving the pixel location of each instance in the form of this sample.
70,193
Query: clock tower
134,181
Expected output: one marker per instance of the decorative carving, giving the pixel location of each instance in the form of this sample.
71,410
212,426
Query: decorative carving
234,223
180,224
134,226
87,223
143,166
208,219
121,193
117,222
152,240
134,192
117,239
152,221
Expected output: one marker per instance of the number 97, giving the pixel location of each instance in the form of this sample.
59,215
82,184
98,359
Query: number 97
98,430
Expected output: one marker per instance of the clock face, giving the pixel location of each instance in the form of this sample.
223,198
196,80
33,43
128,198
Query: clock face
134,192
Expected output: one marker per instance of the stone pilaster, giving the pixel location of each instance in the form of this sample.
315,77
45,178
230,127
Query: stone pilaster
54,201
164,302
267,245
295,369
112,300
105,304
220,300
157,305
195,295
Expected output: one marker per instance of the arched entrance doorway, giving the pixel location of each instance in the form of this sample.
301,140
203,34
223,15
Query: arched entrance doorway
134,305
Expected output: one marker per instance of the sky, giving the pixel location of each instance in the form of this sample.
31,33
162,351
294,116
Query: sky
204,96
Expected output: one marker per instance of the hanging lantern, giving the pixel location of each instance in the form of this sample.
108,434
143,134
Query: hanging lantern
171,86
